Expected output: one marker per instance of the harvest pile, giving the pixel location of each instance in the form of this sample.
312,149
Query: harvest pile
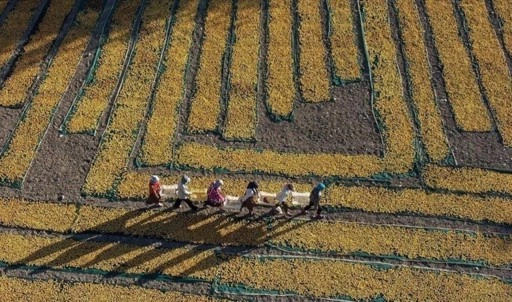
399,106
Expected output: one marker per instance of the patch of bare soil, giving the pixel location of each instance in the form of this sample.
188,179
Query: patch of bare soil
8,119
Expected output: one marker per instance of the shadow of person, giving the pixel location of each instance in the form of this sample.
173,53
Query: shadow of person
96,247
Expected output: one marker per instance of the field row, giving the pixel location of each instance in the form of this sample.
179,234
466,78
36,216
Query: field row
18,289
370,199
344,238
25,140
308,277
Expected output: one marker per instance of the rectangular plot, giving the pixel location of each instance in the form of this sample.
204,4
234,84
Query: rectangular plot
412,243
461,84
388,90
205,108
382,200
19,289
37,215
16,87
431,125
97,94
331,278
157,148
343,40
208,229
241,118
472,180
59,252
504,10
131,104
491,59
22,149
280,84
13,28
313,76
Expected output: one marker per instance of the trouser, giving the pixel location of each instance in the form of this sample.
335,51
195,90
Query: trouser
284,206
312,204
178,201
249,203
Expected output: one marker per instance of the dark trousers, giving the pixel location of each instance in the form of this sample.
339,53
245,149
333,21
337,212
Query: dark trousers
178,201
312,204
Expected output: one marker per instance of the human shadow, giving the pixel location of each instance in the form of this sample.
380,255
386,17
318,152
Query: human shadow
156,243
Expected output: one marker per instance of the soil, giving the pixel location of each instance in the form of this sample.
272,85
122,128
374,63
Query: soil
345,125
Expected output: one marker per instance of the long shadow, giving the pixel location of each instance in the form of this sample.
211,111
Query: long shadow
97,247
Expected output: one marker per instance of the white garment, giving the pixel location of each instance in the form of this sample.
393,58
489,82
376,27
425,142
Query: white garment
284,194
249,193
183,192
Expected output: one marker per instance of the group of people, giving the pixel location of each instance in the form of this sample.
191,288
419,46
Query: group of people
215,197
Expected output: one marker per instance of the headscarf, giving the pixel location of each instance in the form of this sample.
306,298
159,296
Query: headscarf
154,179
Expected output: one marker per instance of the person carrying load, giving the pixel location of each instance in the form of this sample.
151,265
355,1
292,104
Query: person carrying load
184,194
250,198
314,200
282,198
155,191
215,198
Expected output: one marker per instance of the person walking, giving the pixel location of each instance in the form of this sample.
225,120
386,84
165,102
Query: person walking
250,198
314,200
184,194
215,197
282,198
155,190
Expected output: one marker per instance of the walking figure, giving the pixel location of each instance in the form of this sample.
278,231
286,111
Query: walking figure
155,190
250,198
314,200
215,198
282,198
184,194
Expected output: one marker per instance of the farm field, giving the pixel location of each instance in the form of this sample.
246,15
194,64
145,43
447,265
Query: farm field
400,107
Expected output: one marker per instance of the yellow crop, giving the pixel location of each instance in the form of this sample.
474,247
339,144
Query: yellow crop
13,28
295,164
313,76
429,117
97,94
27,66
343,40
468,179
343,238
56,252
241,116
211,229
37,215
382,200
131,104
504,11
157,148
390,101
205,107
280,83
461,84
493,65
331,278
346,238
17,289
23,147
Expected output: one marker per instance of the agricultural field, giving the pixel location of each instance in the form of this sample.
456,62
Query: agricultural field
401,107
